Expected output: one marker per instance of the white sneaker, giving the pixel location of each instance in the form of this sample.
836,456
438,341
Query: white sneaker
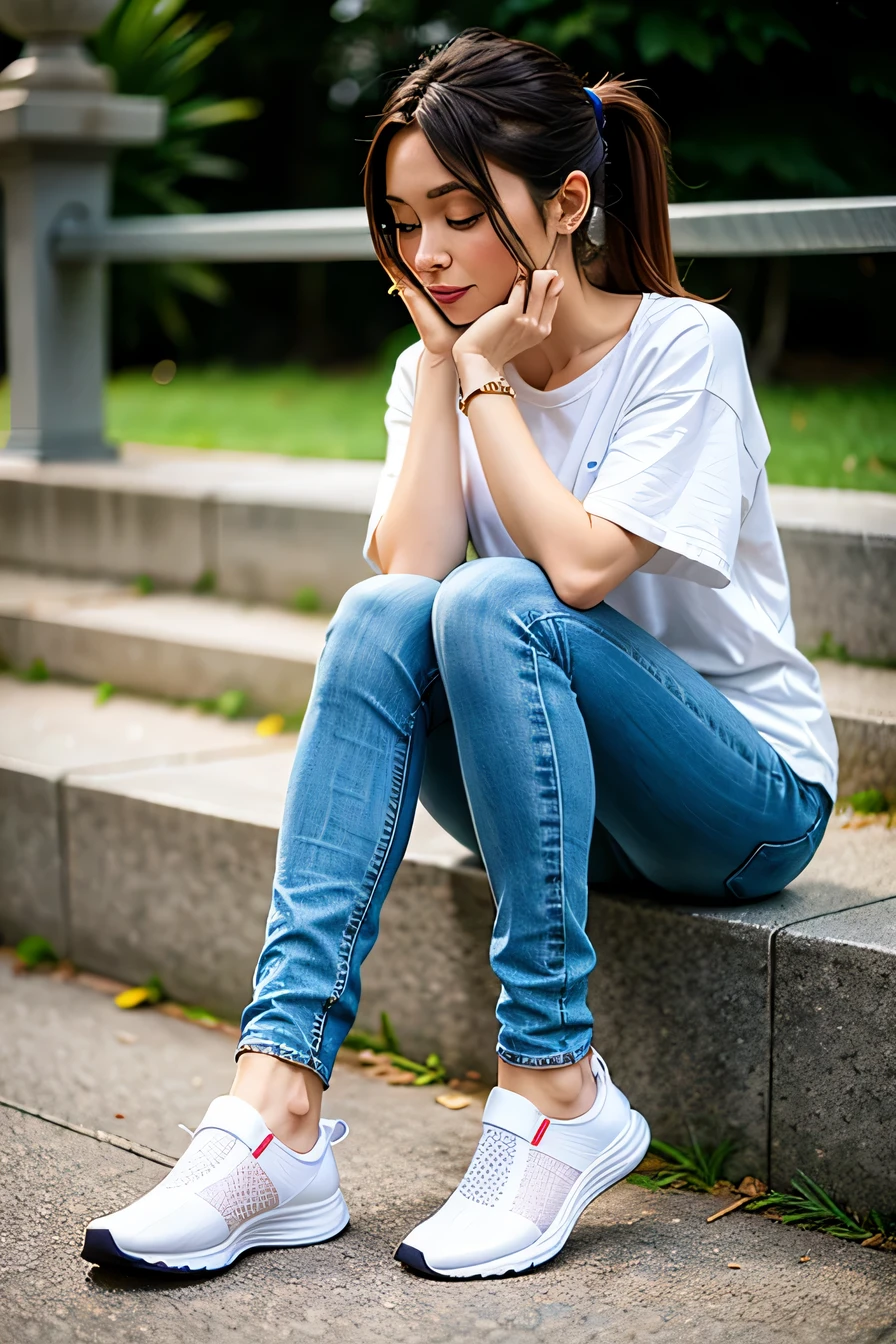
530,1179
235,1187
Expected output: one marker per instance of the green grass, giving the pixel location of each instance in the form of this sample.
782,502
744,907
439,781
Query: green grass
298,411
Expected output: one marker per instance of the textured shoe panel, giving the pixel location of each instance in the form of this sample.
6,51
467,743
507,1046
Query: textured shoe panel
206,1152
489,1170
546,1183
242,1194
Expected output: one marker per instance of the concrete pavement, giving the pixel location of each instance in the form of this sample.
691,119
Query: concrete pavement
639,1266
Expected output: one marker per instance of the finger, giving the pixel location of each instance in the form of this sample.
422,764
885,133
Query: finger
540,283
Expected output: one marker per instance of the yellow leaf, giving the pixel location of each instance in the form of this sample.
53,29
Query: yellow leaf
270,725
132,998
453,1102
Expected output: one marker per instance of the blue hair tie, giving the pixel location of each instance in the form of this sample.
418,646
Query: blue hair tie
598,107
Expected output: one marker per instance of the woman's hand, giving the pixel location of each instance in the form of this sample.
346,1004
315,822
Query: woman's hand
508,329
436,332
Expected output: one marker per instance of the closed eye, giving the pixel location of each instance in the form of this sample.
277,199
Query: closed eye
456,223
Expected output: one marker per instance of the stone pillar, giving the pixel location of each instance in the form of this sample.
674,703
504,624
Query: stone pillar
60,125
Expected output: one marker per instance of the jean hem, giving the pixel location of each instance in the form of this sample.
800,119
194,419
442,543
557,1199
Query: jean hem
284,1052
545,1061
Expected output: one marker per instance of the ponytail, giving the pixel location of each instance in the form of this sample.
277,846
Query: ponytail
638,256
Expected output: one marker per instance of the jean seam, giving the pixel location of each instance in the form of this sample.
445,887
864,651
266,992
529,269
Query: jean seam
563,1005
554,1061
669,684
360,910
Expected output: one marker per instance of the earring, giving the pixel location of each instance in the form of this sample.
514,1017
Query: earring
596,233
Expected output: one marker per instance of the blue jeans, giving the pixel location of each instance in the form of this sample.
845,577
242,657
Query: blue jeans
565,747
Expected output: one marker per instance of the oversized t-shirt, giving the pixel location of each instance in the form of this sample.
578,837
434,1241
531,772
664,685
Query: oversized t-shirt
663,436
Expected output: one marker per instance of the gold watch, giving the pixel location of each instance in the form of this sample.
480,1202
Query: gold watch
500,384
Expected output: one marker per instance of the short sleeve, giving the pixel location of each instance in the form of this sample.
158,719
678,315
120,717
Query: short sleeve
676,470
399,408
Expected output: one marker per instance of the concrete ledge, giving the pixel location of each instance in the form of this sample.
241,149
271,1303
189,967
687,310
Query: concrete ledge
46,731
187,647
834,1060
268,525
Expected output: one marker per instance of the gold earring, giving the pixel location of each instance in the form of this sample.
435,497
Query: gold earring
394,289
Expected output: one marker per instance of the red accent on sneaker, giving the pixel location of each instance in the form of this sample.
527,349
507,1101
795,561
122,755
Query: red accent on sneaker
540,1132
261,1147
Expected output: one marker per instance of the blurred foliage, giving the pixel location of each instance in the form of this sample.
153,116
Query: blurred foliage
767,99
156,49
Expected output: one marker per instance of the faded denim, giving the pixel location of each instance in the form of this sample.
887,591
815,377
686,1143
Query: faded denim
565,747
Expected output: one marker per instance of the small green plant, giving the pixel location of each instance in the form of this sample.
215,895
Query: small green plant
104,691
826,648
197,1014
144,585
306,599
206,582
869,800
35,950
432,1070
36,671
695,1167
232,704
808,1205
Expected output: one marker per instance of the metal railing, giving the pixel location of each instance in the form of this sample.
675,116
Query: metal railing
60,124
714,229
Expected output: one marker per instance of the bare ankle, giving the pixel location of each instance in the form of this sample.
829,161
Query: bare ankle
563,1093
287,1096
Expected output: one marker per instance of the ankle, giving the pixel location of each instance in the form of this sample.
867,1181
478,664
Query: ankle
561,1094
287,1097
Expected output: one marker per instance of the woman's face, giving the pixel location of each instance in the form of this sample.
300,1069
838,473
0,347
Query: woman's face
445,235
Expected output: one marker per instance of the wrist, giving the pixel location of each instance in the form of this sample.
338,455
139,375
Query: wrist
474,369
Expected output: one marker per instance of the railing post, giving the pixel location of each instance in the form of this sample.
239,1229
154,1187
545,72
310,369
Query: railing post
60,124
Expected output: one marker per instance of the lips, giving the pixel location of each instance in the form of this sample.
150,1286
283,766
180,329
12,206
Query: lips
444,294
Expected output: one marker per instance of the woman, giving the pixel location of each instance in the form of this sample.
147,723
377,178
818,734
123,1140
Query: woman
609,693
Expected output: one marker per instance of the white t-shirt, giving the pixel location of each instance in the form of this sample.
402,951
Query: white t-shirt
664,437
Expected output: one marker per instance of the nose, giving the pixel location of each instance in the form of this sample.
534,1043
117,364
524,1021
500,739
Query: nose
431,254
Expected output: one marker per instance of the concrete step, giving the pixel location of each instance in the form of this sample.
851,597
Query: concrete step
184,646
266,526
157,858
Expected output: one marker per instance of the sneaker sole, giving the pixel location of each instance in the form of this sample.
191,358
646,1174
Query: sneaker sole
296,1227
613,1165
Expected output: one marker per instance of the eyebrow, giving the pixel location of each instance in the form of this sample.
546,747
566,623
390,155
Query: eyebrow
436,191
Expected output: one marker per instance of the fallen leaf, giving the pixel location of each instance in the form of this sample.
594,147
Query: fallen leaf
652,1163
752,1186
270,725
732,1264
132,998
120,1115
126,1037
453,1101
171,1009
872,1241
400,1078
368,1057
805,1258
473,1076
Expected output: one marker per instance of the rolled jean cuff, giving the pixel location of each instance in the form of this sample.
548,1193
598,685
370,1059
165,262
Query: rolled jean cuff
285,1052
545,1061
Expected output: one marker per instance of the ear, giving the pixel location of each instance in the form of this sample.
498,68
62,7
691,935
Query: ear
572,201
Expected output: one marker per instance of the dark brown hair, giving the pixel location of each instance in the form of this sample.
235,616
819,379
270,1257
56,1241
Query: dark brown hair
483,95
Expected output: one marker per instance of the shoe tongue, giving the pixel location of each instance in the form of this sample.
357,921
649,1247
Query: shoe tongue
508,1110
235,1117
